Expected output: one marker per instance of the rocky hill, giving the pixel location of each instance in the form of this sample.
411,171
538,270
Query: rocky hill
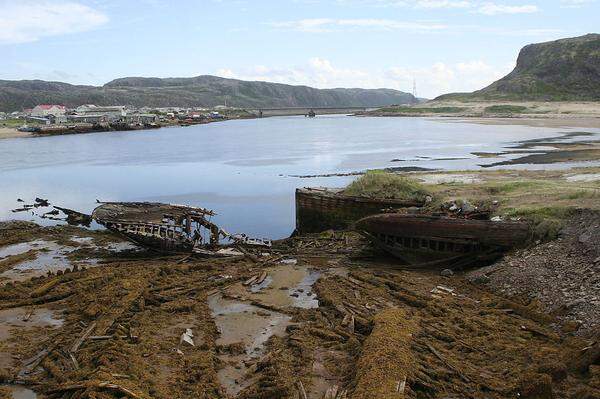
204,91
566,69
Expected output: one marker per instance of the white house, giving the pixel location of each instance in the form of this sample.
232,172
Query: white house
43,110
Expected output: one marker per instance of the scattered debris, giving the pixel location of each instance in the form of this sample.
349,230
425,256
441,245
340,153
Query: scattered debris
375,330
187,337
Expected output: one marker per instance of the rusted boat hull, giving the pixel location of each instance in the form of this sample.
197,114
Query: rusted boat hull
320,209
164,227
420,239
160,237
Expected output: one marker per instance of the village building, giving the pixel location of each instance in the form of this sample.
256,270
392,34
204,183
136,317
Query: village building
110,111
44,110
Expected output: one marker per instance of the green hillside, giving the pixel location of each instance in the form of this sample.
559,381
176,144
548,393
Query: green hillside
204,91
560,70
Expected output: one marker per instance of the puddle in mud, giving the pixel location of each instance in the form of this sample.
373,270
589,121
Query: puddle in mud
19,392
302,294
323,379
50,257
15,320
284,286
248,325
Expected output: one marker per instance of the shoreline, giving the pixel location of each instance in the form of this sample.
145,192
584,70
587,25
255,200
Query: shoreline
530,113
9,133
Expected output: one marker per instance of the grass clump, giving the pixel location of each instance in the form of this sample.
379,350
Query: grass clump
505,109
385,185
510,187
422,110
546,222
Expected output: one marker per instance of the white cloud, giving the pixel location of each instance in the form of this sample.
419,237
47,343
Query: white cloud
575,3
495,9
429,4
28,21
432,81
482,7
320,25
326,25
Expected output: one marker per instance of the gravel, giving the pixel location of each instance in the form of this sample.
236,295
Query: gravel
563,275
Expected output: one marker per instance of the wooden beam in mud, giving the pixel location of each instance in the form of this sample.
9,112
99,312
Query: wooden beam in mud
386,362
82,337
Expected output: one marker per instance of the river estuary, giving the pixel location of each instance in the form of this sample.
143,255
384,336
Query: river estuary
243,169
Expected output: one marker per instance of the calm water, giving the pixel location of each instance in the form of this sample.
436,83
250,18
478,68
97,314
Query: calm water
241,169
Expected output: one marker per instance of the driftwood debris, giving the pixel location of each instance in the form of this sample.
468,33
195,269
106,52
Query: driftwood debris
96,384
82,337
302,390
447,363
247,254
582,360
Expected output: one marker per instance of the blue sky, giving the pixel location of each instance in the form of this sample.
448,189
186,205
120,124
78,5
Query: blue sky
445,45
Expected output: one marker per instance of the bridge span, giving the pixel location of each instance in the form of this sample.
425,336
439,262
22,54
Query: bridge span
305,110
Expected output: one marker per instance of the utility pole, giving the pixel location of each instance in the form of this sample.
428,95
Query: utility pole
414,88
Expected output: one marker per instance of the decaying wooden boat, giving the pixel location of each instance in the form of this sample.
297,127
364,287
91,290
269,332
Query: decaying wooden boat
425,239
320,209
172,228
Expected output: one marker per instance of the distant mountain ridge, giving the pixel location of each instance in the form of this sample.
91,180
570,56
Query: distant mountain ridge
565,69
204,91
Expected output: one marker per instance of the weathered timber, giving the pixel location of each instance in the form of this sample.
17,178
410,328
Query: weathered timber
423,238
166,227
319,209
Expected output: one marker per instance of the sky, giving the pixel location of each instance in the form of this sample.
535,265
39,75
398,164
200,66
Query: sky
442,45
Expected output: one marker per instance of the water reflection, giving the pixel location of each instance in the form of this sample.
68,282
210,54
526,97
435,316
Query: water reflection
239,168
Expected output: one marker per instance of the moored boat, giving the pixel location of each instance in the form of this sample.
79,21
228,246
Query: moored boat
428,239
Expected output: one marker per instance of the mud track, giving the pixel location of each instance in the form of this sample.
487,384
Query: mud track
216,328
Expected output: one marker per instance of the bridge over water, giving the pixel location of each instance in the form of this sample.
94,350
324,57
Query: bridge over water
305,110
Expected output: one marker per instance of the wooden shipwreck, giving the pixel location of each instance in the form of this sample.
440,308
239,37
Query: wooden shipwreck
167,227
319,209
429,240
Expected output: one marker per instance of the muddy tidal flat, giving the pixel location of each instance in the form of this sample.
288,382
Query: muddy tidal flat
315,315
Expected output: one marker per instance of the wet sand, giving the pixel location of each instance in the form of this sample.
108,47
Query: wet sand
541,121
9,133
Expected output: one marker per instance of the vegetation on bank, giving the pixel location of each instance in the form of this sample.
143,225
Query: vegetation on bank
380,184
544,198
15,122
506,109
421,110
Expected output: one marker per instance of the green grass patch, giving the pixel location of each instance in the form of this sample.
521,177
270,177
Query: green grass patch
546,221
422,110
13,122
579,194
384,185
510,187
505,109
